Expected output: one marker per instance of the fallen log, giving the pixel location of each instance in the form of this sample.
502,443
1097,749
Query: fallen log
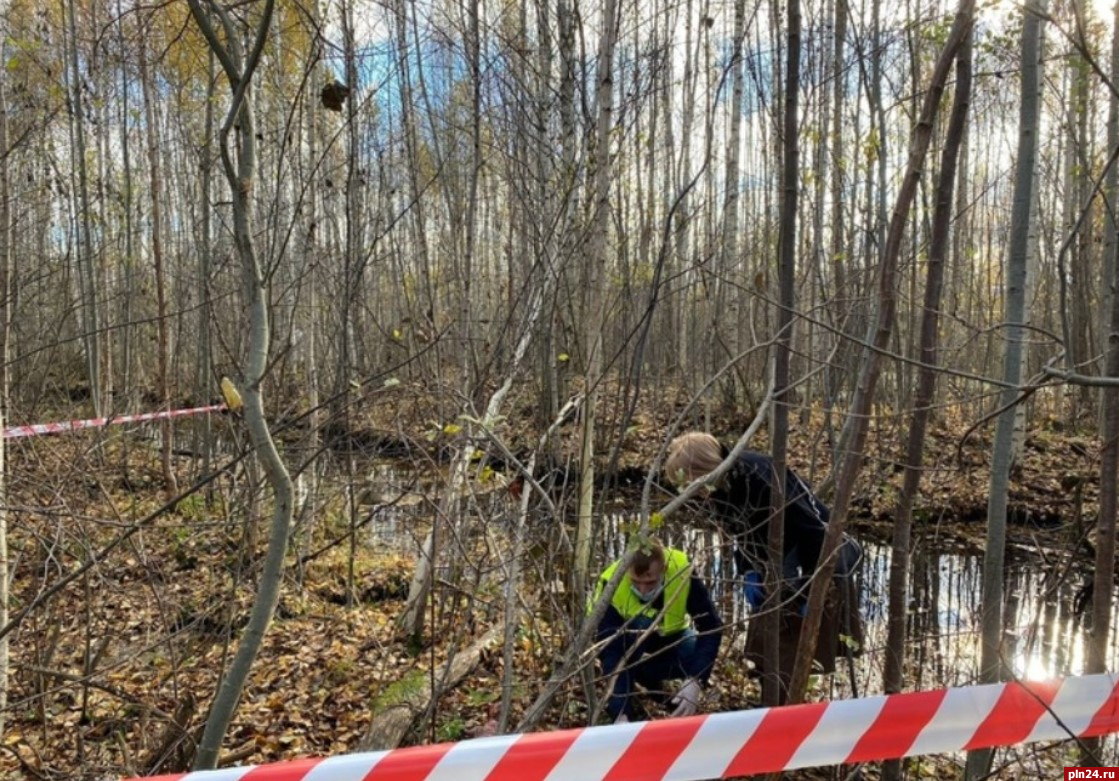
397,718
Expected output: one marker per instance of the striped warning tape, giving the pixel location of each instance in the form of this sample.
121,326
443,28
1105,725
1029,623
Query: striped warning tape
741,743
38,429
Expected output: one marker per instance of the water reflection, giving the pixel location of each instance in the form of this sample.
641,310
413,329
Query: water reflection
392,504
1043,637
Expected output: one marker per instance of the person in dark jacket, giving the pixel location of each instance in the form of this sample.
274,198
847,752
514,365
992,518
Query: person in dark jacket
742,501
661,626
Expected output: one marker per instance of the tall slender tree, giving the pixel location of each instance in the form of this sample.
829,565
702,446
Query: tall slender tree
594,260
5,334
91,334
155,181
1104,575
849,458
992,665
787,249
239,165
927,358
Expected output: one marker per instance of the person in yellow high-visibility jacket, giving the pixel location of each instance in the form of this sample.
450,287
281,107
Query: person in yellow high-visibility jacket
661,626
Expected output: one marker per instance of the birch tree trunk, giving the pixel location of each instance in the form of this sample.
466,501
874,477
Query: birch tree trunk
730,300
309,346
240,171
155,182
353,270
991,664
127,346
204,377
594,260
91,328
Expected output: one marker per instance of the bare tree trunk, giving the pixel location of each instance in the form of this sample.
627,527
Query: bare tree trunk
127,348
992,666
353,267
1033,252
838,248
241,174
204,376
304,513
155,181
849,459
468,350
1079,199
91,325
544,236
771,615
594,261
730,300
5,320
893,674
1104,576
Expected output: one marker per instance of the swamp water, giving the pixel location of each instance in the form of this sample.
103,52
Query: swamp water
1044,638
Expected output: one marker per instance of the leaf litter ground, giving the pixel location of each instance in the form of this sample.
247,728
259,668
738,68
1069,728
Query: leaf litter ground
112,675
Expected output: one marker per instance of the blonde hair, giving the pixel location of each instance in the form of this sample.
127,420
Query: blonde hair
691,455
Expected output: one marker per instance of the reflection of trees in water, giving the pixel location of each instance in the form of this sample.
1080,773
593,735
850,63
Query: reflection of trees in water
1044,638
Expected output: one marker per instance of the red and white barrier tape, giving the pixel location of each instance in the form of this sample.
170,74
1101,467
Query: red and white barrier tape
741,743
38,429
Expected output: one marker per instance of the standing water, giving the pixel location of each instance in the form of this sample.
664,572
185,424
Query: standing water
1043,638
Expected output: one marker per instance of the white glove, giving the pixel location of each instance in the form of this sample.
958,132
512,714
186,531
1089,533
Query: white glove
622,719
687,699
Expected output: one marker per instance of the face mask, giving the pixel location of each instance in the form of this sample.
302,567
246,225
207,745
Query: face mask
650,596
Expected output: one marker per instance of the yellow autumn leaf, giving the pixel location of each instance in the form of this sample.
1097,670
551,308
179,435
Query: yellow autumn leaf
232,396
452,428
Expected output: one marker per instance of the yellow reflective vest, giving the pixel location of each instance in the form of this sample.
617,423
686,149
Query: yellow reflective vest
677,580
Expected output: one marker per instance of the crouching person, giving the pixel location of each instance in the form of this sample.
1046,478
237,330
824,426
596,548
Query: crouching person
661,626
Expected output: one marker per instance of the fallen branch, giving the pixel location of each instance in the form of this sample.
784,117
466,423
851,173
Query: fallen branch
391,726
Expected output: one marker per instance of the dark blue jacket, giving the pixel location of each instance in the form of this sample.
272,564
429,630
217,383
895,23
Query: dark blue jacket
743,506
660,657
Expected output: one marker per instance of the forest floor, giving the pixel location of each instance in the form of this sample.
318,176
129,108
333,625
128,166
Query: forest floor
112,675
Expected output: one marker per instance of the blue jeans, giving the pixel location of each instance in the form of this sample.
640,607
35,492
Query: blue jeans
658,659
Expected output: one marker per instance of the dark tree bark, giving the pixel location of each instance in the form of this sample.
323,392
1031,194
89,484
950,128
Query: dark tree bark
790,184
939,245
1104,575
849,460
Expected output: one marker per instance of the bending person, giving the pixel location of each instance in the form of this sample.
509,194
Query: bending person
661,626
742,501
